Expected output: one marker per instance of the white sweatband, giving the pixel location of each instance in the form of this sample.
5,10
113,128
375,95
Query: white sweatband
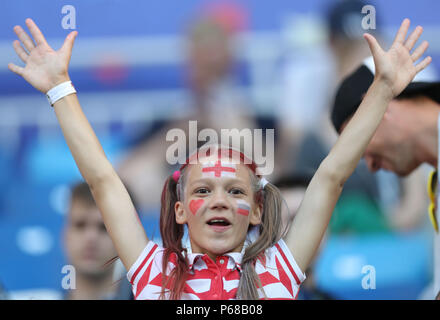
60,91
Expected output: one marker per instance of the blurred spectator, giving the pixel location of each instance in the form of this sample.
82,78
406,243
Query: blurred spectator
215,98
344,23
210,68
293,188
406,138
385,194
321,55
89,249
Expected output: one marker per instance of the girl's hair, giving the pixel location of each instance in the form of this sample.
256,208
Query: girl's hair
270,232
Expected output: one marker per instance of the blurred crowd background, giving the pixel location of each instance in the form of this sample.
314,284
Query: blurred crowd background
144,67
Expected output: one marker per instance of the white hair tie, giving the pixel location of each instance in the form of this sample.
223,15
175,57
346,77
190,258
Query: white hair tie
263,182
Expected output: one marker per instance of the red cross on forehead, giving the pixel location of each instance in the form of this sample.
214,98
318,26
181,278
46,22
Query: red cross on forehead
217,169
222,153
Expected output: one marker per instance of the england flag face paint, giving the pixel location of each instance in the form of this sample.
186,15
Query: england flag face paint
243,207
219,169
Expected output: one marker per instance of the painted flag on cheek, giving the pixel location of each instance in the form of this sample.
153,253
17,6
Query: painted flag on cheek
194,205
243,207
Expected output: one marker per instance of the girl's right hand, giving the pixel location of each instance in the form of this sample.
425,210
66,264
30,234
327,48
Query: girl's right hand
45,68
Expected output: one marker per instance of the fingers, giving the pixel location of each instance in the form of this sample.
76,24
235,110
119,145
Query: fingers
373,44
20,51
68,42
420,50
16,69
35,31
401,34
423,64
412,39
24,38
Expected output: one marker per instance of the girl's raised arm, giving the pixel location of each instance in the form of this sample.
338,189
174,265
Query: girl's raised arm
395,69
44,69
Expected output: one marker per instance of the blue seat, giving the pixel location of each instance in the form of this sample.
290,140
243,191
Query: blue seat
31,253
32,250
399,264
50,161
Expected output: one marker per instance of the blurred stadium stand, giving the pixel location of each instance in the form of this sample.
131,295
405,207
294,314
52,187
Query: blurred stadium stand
127,66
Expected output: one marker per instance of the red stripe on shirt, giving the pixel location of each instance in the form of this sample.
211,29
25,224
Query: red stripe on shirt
288,264
143,281
143,263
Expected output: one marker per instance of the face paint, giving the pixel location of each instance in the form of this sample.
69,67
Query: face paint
194,205
243,207
219,169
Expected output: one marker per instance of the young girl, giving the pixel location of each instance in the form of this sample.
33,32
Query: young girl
233,215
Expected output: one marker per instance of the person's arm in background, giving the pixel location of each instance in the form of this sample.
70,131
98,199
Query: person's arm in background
394,71
44,69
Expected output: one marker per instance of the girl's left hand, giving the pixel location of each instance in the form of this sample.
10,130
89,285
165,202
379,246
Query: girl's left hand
396,67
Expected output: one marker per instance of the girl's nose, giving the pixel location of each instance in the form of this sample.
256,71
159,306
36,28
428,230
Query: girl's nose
219,201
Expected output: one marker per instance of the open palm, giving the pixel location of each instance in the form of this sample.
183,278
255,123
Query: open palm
397,65
44,67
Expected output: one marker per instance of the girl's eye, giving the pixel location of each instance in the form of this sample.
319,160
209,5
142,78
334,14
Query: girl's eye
236,191
202,190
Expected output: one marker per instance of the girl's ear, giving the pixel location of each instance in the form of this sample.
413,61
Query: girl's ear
256,215
180,212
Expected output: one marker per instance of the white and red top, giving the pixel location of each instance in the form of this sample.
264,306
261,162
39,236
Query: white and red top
211,280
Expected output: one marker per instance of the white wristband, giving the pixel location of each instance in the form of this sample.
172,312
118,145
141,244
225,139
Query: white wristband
60,91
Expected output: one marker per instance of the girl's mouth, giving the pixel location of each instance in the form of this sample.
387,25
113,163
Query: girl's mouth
219,224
